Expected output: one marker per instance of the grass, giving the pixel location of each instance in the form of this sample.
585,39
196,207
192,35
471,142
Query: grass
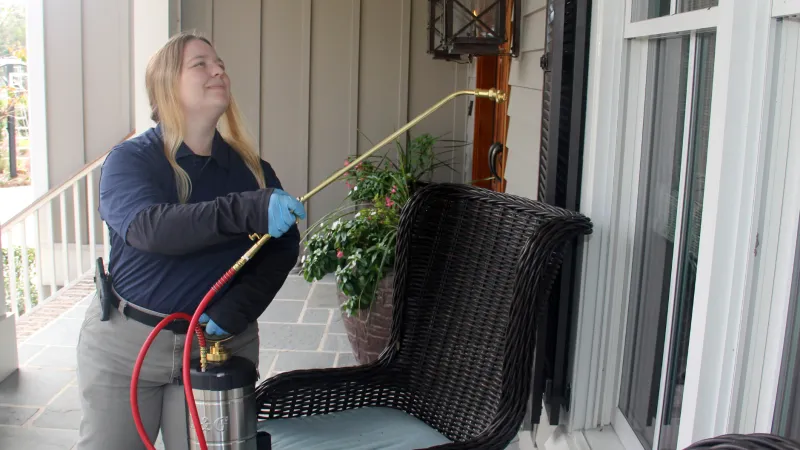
30,263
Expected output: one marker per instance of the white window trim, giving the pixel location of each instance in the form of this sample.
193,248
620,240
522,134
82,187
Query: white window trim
785,8
767,315
694,20
727,235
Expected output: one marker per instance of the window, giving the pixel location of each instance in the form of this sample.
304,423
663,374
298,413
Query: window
666,243
654,245
673,159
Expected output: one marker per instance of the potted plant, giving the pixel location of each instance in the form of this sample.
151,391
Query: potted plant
356,241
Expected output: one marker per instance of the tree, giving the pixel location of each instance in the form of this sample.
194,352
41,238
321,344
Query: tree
12,27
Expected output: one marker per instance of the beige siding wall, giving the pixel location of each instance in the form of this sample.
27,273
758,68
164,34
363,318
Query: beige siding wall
525,103
309,74
80,79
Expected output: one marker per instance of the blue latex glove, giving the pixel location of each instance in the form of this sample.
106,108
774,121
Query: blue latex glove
212,329
283,212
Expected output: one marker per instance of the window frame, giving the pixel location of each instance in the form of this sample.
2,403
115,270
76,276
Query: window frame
638,75
727,234
772,283
782,8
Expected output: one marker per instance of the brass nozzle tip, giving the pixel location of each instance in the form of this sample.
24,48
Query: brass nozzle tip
494,94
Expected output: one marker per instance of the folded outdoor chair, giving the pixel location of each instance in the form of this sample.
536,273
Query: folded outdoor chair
473,270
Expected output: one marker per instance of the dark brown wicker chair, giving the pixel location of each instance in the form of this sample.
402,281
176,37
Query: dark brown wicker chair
755,441
473,269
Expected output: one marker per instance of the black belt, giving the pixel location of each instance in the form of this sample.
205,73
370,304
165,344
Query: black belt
178,326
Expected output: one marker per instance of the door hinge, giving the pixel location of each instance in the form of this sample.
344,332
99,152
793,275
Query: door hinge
544,62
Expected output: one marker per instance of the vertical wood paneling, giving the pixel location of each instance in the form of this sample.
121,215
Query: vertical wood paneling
524,130
150,21
174,16
330,122
470,123
526,80
381,73
64,80
198,16
285,75
456,157
305,99
106,101
237,39
64,87
355,47
405,55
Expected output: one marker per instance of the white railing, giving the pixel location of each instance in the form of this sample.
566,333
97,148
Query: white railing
48,256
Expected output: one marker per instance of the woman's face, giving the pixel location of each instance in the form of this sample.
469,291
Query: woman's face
204,85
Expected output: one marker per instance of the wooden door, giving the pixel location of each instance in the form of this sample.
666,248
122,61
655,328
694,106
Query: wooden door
491,118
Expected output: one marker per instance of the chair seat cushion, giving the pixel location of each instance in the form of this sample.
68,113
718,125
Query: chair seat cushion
357,429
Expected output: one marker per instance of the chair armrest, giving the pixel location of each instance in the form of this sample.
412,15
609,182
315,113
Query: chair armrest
322,391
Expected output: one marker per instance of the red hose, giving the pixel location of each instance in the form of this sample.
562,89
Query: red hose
137,367
187,356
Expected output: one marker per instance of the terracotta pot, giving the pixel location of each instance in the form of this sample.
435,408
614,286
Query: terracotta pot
368,330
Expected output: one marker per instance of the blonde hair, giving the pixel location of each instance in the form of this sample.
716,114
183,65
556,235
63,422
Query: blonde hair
161,80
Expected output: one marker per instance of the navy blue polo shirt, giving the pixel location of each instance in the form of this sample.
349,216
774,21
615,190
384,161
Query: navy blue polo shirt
137,180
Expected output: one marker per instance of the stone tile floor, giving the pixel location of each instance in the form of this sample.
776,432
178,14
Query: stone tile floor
39,407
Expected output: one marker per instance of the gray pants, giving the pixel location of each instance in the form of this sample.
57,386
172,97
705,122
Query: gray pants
107,352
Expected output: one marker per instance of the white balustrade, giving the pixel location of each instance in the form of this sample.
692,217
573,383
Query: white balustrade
38,249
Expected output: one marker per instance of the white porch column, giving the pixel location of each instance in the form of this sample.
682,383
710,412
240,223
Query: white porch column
9,360
151,29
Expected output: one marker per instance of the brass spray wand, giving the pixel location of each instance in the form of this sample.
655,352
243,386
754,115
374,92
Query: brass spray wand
497,96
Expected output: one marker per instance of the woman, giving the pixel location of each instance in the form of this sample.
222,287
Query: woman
180,201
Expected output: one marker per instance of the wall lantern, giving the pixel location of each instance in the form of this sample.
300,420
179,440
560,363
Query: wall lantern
458,28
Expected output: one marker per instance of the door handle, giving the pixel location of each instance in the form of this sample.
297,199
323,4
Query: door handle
494,150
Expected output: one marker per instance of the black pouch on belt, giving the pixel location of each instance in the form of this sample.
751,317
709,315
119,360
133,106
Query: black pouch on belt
102,282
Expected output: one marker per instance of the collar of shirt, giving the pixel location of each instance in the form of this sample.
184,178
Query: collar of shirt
220,150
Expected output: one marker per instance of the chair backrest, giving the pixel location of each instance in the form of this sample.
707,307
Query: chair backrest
472,268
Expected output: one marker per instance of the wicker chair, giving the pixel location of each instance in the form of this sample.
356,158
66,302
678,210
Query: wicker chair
473,269
755,441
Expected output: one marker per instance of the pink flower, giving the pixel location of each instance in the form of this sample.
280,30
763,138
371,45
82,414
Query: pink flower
346,163
349,186
389,202
394,189
340,254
